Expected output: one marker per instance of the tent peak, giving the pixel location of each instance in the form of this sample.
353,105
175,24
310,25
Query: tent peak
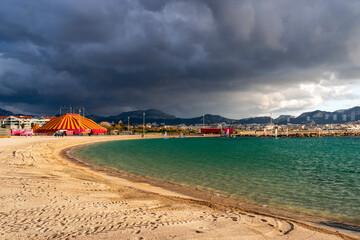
73,114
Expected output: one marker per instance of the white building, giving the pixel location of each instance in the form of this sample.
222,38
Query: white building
41,121
16,122
352,117
22,122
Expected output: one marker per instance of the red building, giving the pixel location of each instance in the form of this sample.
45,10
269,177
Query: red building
211,130
231,130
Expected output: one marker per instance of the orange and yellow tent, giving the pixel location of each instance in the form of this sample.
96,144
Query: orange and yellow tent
35,127
71,122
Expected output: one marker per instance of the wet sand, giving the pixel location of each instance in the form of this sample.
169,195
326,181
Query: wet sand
44,195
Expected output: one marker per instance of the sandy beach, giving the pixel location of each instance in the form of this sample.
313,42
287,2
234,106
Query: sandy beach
45,196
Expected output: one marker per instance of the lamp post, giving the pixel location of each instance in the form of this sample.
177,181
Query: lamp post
144,124
79,121
61,108
128,123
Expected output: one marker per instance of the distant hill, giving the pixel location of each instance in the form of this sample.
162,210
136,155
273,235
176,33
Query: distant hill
324,117
284,119
5,112
314,117
135,116
153,115
150,114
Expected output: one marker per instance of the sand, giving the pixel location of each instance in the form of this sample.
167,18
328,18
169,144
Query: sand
45,196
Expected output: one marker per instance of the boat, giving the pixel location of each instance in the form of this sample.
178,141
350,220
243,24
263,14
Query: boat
165,135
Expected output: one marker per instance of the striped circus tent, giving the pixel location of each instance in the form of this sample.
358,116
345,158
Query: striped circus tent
71,122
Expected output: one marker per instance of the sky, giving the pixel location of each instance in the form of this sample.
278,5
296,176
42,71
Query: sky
184,57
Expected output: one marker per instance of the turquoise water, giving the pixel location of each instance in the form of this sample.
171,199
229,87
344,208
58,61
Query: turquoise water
317,176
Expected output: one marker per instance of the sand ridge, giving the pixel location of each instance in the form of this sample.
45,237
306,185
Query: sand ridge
45,196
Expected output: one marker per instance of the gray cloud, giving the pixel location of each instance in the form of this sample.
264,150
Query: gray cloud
181,56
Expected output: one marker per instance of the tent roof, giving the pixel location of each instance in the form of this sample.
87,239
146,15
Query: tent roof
69,121
35,127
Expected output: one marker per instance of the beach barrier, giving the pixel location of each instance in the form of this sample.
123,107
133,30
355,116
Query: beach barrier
5,133
21,132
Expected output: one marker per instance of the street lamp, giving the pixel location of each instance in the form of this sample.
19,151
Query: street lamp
79,121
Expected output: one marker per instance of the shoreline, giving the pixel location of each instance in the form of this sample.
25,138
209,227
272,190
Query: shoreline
327,225
45,195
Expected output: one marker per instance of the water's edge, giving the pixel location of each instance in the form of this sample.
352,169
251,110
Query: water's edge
313,222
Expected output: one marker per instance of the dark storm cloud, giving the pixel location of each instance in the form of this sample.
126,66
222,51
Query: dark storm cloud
183,55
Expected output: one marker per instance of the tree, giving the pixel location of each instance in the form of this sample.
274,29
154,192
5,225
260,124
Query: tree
105,124
122,126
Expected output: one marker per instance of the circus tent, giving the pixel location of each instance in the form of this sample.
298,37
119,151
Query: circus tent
35,127
73,123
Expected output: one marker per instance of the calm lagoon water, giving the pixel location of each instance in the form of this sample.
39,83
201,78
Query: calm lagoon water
318,176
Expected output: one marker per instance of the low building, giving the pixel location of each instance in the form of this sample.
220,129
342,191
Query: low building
22,122
211,130
42,120
16,122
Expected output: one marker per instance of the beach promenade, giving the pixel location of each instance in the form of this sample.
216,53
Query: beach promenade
46,196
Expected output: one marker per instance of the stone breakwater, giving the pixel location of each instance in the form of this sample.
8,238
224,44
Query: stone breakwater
302,134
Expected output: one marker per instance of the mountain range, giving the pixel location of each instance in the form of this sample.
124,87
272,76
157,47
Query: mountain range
6,113
153,115
314,117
